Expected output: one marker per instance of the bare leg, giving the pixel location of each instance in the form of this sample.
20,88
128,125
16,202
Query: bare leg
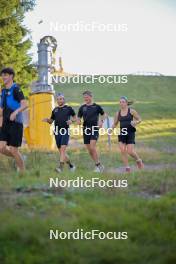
89,150
63,155
67,159
18,158
92,150
124,154
4,150
131,151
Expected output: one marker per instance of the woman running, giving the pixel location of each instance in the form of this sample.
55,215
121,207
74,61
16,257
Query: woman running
128,119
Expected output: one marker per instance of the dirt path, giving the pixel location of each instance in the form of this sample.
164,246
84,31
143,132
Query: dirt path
148,167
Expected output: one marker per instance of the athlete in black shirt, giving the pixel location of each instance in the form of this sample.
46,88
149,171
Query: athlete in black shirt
90,112
12,105
128,119
61,116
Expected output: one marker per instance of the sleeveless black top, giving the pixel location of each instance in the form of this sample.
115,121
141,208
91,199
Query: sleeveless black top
125,121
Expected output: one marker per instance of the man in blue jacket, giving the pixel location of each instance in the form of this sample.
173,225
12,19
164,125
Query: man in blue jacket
12,105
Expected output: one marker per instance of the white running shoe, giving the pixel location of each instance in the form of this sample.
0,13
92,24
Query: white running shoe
72,168
99,169
58,170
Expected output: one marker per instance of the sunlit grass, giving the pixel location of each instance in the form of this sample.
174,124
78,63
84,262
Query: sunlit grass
116,103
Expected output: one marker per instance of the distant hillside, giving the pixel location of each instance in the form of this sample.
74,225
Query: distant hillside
155,96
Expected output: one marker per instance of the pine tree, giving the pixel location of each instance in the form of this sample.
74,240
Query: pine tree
15,40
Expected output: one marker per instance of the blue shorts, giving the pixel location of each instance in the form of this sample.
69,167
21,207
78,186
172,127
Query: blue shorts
62,138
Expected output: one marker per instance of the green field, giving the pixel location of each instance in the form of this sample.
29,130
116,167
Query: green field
146,209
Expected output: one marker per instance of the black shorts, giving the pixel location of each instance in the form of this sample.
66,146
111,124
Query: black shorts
127,139
90,134
12,133
62,138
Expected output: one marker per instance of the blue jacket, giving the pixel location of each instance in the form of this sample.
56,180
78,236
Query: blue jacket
11,103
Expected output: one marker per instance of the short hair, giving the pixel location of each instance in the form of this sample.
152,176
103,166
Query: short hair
8,70
87,93
60,94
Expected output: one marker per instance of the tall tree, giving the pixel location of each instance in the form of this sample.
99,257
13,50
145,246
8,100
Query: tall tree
15,40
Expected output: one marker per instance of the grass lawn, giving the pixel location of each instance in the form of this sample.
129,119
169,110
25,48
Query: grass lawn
146,209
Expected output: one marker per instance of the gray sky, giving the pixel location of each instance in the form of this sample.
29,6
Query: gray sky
148,44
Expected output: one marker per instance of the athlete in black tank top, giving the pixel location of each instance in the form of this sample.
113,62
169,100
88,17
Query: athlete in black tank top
128,119
125,121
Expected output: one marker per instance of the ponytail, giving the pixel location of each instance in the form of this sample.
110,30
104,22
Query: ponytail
130,102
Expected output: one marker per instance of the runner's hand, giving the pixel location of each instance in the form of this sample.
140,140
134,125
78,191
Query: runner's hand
45,120
100,124
78,122
13,116
69,122
133,123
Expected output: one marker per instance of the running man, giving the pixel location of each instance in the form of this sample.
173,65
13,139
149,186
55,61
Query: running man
128,119
12,105
61,115
90,112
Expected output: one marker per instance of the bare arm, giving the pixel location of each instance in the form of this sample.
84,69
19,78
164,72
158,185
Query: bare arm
78,120
48,120
136,116
1,112
116,120
73,119
102,119
23,106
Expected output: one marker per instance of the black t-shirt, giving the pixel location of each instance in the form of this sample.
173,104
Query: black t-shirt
18,94
61,115
90,114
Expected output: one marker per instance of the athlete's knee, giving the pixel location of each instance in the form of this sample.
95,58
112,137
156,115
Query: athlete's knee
13,150
88,147
123,150
2,148
92,149
63,150
130,152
